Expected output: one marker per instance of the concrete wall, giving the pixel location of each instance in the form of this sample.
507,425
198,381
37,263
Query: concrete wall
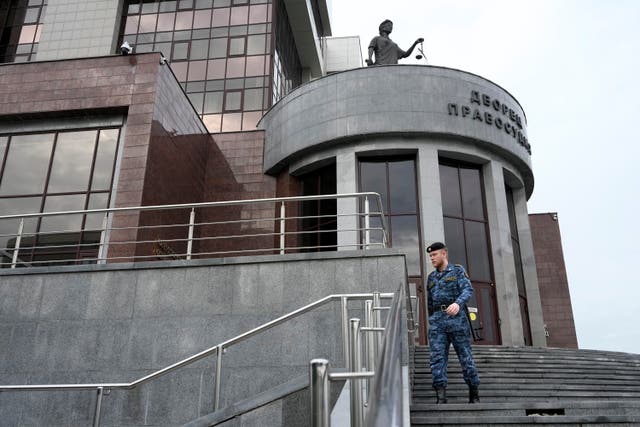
117,323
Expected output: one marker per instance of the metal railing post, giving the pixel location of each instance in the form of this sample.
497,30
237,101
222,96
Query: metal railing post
16,248
344,311
367,231
96,415
192,218
377,322
355,386
103,237
369,344
282,228
319,391
216,391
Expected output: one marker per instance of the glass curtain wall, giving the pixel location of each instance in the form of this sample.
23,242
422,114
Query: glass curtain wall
467,239
21,23
219,51
53,172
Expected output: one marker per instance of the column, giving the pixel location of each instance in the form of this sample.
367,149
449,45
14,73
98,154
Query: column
346,182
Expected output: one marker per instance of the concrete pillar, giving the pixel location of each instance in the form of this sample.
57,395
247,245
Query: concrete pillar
534,303
502,252
430,199
346,182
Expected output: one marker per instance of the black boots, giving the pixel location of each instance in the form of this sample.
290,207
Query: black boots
441,395
473,394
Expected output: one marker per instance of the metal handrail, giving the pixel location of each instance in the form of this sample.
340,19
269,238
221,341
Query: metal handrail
362,232
218,349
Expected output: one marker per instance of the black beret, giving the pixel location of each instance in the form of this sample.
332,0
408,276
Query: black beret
435,246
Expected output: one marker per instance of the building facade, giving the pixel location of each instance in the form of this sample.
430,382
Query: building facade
248,99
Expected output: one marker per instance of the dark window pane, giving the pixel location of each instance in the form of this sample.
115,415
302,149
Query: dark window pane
61,204
105,158
199,49
185,4
512,213
236,46
256,44
204,4
195,87
164,48
373,177
182,35
164,37
233,101
479,268
221,3
252,99
450,190
149,7
213,85
404,236
133,9
454,239
72,160
31,17
3,147
472,205
488,331
218,48
27,164
517,258
402,186
238,30
201,34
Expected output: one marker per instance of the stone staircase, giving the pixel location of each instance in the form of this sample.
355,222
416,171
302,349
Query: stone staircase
526,386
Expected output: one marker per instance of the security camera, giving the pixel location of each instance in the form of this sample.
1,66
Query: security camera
126,48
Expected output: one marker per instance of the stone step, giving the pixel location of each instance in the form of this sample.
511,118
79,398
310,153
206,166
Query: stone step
563,420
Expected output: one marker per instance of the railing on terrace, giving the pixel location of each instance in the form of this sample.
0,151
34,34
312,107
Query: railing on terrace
194,230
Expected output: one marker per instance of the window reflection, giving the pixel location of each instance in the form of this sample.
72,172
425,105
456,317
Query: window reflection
476,237
63,222
454,237
471,194
26,166
450,190
402,187
72,162
404,236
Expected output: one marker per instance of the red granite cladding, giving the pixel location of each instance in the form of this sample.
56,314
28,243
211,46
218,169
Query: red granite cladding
234,172
552,280
93,84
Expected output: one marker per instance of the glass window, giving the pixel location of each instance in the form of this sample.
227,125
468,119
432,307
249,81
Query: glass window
250,119
450,190
236,46
404,236
196,100
258,13
166,21
220,17
197,70
233,101
167,6
149,7
199,49
255,65
131,27
373,177
105,158
235,67
454,237
232,122
180,51
216,69
148,24
71,165
184,20
256,44
402,187
27,164
252,99
213,102
471,194
63,222
239,15
476,238
202,19
3,148
212,122
218,48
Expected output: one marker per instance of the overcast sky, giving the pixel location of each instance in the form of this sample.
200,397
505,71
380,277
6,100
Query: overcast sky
574,66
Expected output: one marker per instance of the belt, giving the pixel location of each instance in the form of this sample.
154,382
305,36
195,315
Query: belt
440,307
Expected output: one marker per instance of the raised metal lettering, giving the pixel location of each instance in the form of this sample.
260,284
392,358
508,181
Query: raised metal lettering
465,111
488,118
477,115
496,105
505,109
512,115
508,127
453,109
486,100
498,122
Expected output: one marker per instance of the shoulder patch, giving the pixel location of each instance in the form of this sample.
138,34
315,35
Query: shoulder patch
463,270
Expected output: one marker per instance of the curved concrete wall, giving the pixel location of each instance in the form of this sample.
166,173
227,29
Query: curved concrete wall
397,99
